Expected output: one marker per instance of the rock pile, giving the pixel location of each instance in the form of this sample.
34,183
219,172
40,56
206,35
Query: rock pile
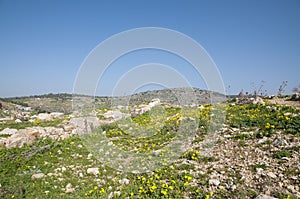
19,138
144,108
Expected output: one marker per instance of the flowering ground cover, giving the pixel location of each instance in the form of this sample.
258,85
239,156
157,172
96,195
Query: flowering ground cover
256,151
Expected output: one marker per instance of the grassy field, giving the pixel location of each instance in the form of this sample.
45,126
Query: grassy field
65,162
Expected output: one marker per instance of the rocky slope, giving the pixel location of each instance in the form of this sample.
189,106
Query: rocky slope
255,154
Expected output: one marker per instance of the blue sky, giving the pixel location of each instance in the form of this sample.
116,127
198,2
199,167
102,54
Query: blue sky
43,43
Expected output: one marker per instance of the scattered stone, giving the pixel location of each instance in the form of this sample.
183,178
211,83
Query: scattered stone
37,176
271,175
94,171
115,115
280,142
262,196
144,108
63,169
90,156
56,115
60,179
258,100
259,170
18,121
214,182
68,128
24,136
69,188
124,181
8,131
44,116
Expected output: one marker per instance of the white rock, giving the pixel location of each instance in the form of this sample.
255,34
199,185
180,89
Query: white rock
259,170
8,131
56,115
60,179
110,195
93,171
214,182
271,175
24,136
117,115
18,121
69,128
44,116
37,176
63,169
124,181
262,196
69,188
90,156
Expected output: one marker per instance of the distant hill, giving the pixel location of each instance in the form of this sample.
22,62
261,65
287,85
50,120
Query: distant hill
175,96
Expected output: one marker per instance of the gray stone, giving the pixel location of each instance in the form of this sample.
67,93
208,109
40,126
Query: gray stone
56,115
93,171
263,196
18,121
69,188
37,176
280,142
44,116
271,175
8,131
214,182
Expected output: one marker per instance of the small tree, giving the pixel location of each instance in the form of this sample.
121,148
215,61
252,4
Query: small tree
296,89
257,91
282,87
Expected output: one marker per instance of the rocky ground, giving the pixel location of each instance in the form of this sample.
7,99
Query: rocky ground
254,155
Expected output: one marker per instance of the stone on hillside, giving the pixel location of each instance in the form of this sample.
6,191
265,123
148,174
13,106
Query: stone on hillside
144,108
262,196
8,131
37,176
56,115
18,121
68,128
214,182
69,188
258,100
280,142
24,136
271,175
44,116
49,131
93,171
116,115
84,125
124,181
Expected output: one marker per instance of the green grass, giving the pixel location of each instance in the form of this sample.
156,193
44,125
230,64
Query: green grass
282,153
14,125
151,131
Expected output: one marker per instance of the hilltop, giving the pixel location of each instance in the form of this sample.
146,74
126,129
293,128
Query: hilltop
252,152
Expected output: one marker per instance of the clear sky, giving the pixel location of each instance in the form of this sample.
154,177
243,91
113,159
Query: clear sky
43,43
